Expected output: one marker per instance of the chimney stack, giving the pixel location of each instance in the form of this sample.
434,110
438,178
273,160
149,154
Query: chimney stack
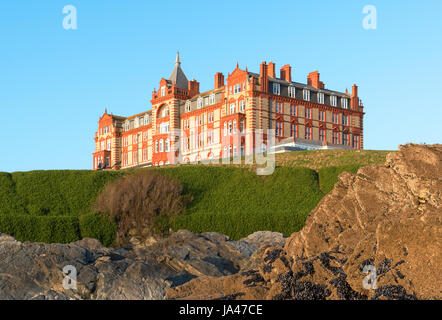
271,70
194,87
263,78
219,80
313,80
354,102
286,73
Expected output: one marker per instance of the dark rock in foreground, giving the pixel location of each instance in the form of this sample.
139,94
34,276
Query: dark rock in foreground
35,270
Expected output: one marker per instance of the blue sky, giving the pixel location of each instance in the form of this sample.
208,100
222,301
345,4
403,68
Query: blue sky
56,83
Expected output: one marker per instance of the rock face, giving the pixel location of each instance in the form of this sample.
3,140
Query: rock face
383,222
35,270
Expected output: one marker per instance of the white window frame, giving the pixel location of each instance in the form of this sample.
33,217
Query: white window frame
333,101
163,91
292,92
344,103
306,94
242,105
276,88
199,103
320,97
212,99
232,108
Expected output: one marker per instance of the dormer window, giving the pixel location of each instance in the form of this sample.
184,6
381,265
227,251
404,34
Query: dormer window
212,99
187,106
126,126
292,92
137,122
306,94
344,103
276,88
333,100
320,98
146,119
199,103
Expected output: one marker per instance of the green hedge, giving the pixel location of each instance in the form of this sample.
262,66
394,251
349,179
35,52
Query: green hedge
58,229
52,192
328,176
94,225
227,199
49,229
238,202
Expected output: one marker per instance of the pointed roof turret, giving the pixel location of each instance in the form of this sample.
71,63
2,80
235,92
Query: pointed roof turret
178,75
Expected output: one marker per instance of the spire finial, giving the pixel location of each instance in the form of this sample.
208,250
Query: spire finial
236,64
177,60
105,110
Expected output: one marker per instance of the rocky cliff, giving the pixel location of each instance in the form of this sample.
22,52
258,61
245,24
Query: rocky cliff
383,222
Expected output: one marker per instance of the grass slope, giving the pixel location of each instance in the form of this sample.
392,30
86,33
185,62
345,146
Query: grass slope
227,199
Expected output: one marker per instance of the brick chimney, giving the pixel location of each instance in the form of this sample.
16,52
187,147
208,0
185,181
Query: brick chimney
313,80
354,102
219,80
286,73
194,87
271,70
263,78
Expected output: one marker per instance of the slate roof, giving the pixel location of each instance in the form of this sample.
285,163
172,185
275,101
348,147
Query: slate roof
178,75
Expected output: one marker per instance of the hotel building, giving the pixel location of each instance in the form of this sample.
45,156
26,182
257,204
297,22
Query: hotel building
221,122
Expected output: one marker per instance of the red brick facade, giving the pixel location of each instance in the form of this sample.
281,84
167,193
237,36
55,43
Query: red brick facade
214,124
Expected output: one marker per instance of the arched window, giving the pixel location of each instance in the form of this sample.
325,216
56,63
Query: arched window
166,145
234,126
161,145
230,127
225,128
165,111
225,152
156,146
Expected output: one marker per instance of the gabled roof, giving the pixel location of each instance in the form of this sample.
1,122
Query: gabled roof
178,75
